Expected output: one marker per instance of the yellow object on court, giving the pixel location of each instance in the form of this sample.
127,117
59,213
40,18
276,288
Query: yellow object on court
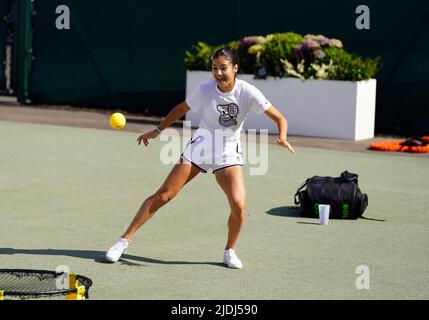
117,120
74,283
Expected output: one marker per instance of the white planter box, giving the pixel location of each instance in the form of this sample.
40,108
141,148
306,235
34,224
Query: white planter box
317,108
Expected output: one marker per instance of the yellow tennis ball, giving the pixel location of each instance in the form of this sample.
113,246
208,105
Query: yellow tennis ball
117,120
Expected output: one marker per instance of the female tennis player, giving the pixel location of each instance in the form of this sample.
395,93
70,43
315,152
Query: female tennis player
225,102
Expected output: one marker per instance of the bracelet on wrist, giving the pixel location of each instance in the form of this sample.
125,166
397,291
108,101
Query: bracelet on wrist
157,128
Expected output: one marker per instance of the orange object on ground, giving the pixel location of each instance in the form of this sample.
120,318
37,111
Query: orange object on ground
409,145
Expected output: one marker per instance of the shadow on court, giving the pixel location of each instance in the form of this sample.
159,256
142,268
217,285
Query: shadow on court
295,212
287,211
98,256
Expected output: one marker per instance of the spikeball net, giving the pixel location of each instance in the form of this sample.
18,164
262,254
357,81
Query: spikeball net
33,284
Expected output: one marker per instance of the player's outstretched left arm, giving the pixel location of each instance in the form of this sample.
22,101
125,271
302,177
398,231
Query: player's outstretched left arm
281,122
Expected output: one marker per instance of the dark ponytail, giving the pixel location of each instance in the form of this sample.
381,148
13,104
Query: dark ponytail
229,53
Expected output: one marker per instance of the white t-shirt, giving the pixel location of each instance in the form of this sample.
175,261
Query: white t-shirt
226,110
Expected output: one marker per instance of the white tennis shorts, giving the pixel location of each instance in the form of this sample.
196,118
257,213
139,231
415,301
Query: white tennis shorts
206,153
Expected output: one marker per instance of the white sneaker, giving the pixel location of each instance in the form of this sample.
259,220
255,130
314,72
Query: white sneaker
115,251
231,259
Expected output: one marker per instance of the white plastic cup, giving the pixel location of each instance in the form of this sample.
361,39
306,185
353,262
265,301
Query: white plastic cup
324,213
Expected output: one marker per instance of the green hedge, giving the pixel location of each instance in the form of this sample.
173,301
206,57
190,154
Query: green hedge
290,55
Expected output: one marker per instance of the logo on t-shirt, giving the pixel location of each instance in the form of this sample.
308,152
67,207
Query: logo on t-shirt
228,114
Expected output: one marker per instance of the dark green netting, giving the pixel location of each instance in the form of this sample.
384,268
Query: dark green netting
3,25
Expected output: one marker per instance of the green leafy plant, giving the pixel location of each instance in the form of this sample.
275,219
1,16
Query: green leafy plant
201,59
278,46
349,66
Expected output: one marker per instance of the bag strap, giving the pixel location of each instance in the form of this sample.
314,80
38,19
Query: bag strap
348,176
297,191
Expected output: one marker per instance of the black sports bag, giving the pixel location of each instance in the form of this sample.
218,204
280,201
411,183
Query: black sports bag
341,193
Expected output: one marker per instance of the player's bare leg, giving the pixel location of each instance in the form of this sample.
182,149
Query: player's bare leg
231,181
179,176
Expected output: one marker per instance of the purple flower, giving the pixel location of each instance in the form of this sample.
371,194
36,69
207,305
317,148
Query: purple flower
319,54
297,52
303,52
324,42
247,42
311,44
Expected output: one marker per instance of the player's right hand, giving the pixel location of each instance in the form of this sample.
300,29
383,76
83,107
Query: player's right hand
146,136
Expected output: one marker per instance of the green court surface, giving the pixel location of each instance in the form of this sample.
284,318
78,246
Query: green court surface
67,194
